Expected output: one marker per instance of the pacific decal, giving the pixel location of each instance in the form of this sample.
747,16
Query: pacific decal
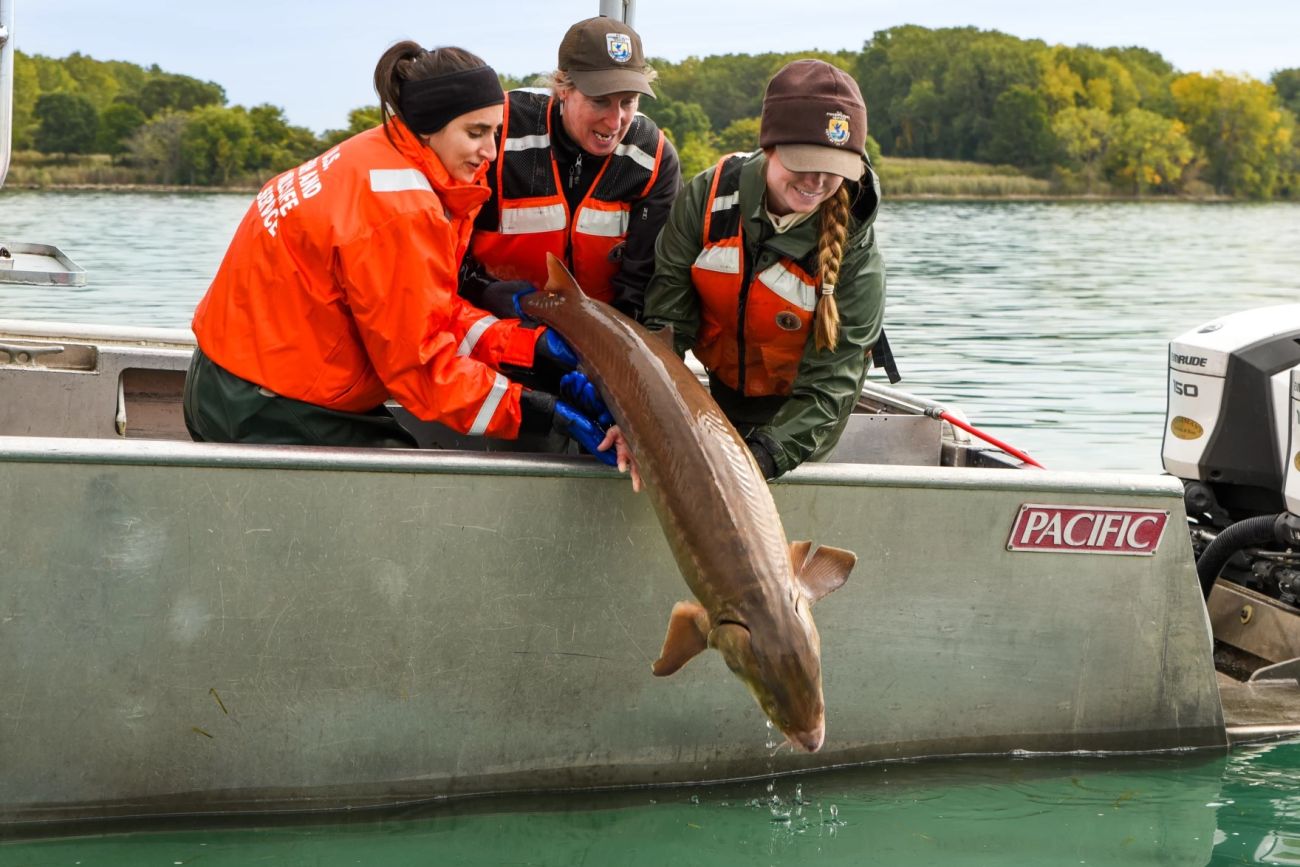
1088,530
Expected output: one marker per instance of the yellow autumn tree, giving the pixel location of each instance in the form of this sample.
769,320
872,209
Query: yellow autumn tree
1240,131
1148,151
1084,137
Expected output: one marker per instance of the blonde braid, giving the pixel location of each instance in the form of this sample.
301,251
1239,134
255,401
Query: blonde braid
830,252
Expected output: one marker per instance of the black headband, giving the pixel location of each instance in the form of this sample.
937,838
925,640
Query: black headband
429,104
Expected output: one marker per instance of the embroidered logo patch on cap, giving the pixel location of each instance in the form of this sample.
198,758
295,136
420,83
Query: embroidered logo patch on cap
837,127
619,47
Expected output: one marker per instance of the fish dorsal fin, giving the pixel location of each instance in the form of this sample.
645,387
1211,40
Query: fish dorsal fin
558,278
824,572
688,636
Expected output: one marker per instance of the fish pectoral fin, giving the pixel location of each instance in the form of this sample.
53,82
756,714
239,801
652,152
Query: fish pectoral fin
825,571
688,635
799,554
558,278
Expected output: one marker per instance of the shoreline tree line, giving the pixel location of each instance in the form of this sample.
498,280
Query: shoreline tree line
1118,121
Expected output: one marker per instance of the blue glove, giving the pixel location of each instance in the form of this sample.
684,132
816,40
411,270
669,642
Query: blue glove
528,289
551,347
572,423
502,298
580,391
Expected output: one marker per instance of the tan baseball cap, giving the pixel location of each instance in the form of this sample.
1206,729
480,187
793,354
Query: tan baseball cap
602,56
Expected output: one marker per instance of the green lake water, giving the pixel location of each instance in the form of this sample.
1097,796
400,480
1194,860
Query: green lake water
1047,323
1239,808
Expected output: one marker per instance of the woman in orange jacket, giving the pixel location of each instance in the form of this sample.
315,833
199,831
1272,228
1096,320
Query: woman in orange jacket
338,290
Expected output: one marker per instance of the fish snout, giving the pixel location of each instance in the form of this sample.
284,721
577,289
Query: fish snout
810,740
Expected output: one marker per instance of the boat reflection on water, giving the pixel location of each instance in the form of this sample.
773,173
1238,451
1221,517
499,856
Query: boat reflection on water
1168,809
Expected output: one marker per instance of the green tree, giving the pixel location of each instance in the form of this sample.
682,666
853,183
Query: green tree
1149,151
67,124
1021,132
1084,135
117,124
729,86
52,75
277,145
920,121
359,120
1094,80
157,147
94,79
1287,84
164,91
696,153
27,89
1243,135
740,135
873,151
679,120
1150,74
932,92
216,143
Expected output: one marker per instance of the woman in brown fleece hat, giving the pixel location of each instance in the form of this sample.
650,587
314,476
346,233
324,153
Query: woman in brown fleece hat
768,269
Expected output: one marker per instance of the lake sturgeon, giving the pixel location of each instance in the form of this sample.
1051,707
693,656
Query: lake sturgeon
753,591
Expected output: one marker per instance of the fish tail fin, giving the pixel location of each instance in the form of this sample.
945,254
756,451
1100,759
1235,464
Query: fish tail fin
688,636
824,571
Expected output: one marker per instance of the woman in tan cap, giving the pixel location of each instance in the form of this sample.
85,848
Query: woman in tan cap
581,174
768,269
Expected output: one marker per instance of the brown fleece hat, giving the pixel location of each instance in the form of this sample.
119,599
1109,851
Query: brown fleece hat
815,117
602,56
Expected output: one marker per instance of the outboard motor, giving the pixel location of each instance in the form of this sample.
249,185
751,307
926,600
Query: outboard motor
1232,434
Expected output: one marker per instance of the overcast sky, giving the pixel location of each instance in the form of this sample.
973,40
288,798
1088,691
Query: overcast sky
315,58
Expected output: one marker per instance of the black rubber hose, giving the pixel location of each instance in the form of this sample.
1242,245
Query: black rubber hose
1243,534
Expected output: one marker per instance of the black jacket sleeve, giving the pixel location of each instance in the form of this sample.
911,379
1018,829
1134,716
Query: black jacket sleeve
647,218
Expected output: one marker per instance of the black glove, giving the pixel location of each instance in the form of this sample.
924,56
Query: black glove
766,463
537,411
501,298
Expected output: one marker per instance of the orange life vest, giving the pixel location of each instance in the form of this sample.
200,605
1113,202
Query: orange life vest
533,216
753,327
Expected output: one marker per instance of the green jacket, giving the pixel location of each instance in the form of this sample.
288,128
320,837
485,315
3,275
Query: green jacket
808,422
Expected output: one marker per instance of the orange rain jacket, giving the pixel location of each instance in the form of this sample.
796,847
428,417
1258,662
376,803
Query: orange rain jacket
339,289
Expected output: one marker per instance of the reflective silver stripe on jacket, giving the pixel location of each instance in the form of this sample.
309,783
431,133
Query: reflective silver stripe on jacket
475,332
528,221
489,408
787,284
527,142
606,224
636,155
398,180
724,260
722,203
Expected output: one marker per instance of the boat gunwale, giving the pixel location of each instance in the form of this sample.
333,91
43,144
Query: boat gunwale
28,449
